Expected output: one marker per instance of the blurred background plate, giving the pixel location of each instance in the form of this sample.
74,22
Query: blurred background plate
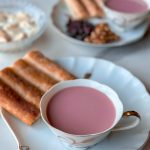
60,16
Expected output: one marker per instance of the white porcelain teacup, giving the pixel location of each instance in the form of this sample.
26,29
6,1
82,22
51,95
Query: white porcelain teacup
123,20
84,141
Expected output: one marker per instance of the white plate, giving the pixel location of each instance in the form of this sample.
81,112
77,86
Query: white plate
25,6
131,91
60,16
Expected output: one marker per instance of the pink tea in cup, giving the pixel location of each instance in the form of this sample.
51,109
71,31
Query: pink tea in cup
127,6
81,110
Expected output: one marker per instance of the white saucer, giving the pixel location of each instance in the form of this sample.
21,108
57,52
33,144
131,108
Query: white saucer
131,91
60,16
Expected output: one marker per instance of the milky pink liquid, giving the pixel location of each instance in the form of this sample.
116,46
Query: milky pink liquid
80,111
128,6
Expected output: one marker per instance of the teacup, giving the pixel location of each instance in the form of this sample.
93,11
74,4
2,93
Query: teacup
124,20
73,141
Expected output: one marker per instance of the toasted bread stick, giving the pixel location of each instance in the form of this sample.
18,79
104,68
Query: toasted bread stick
77,9
48,66
101,12
92,8
34,76
16,105
21,86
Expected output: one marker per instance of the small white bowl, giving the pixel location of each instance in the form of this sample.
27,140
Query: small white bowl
126,20
24,6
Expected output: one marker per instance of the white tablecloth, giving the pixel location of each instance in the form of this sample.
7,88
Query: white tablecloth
135,57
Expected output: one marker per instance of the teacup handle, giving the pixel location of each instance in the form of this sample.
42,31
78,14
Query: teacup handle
128,114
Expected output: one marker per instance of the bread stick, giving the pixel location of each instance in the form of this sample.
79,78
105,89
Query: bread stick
92,7
48,66
34,76
77,9
101,12
16,105
21,86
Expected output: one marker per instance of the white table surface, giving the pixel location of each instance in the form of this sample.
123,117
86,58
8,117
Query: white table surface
135,57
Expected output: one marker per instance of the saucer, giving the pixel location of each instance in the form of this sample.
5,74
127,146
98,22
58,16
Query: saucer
60,15
130,90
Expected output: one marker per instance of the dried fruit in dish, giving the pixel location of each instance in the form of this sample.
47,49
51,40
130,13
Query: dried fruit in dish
79,29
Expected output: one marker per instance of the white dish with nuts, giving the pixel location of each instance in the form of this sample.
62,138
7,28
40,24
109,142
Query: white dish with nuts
60,17
21,23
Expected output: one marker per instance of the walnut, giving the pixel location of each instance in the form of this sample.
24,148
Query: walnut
102,34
